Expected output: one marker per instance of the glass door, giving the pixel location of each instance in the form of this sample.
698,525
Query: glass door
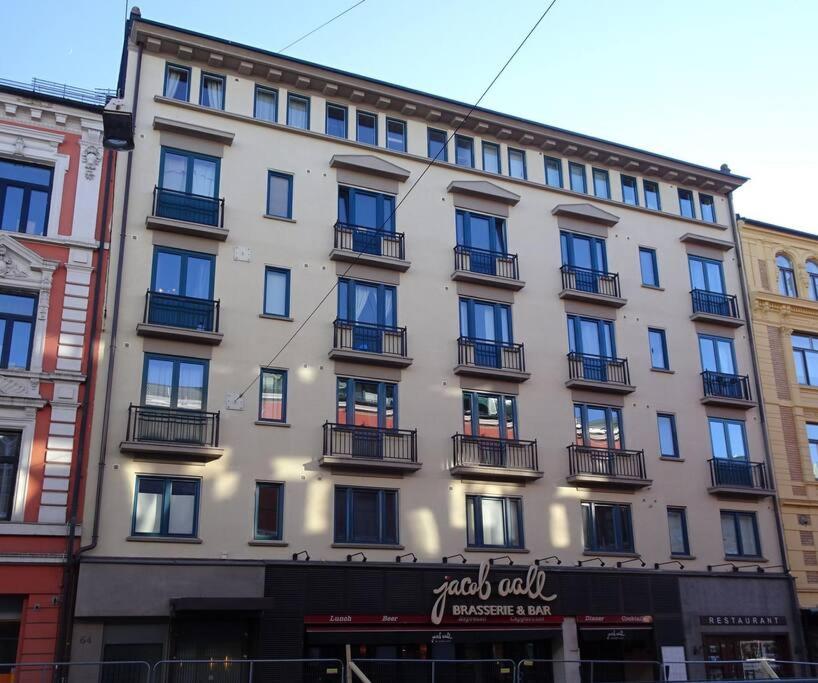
494,418
371,307
488,327
365,403
193,181
586,256
177,278
729,446
371,211
594,341
599,428
485,238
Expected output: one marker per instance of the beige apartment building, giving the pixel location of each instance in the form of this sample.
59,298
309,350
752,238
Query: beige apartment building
339,385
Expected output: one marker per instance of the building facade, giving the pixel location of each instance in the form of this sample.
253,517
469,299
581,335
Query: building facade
782,274
538,354
52,256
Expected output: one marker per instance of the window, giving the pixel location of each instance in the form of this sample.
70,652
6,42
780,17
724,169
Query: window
668,443
786,276
189,173
592,337
717,354
485,321
584,251
648,266
686,206
602,183
273,396
336,123
25,194
211,93
516,163
493,416
17,316
166,506
630,193
652,199
812,274
277,292
436,144
9,460
373,212
265,106
365,515
366,130
482,233
739,531
174,382
677,528
177,82
186,274
607,527
805,355
463,151
707,207
396,135
658,349
491,157
279,194
727,439
494,522
706,274
367,403
371,307
812,438
298,111
269,512
553,172
598,426
576,173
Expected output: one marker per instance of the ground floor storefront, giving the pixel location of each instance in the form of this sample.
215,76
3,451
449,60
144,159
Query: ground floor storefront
629,623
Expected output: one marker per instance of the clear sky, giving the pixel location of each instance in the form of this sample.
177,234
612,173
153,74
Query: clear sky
708,81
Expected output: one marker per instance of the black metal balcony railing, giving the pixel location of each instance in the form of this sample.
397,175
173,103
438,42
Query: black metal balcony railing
486,353
489,452
738,473
721,385
355,441
609,462
369,240
486,262
181,311
355,336
591,281
598,368
185,206
714,303
172,426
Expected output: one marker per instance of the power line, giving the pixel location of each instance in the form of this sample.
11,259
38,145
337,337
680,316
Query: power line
326,23
408,192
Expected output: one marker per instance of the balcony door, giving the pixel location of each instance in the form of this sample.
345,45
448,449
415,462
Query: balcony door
593,339
368,404
492,417
598,428
488,326
717,354
182,289
370,307
586,258
372,211
189,184
706,274
484,238
729,446
171,383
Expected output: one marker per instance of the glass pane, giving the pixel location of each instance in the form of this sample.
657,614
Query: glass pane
336,121
20,344
491,158
813,456
389,533
366,404
580,436
367,132
12,208
616,429
800,367
652,196
484,321
597,428
601,187
604,527
17,304
646,263
516,163
464,319
463,151
341,531
589,337
437,145
697,277
198,277
508,407
174,172
707,349
504,314
366,304
212,92
396,136
342,401
389,307
582,254
148,516
488,406
365,512
629,195
275,295
667,444
266,105
167,273
390,406
297,109
718,439
577,178
268,525
657,350
725,356
278,197
715,279
493,528
746,525
470,528
181,516
728,534
159,382
735,432
812,367
480,232
191,386
708,209
26,173
8,473
686,203
366,210
272,396
675,521
513,522
467,396
204,177
553,169
37,206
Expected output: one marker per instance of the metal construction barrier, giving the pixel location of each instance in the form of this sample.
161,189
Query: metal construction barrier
589,671
248,671
77,672
437,670
739,670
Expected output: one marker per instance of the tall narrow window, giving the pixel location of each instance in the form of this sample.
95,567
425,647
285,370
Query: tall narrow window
553,172
273,396
786,276
630,193
607,527
436,144
686,206
708,207
279,194
576,173
17,320
396,135
647,264
25,193
177,82
366,128
652,199
165,506
812,438
494,522
602,183
658,349
739,532
265,107
463,151
366,515
9,461
269,512
516,163
491,157
805,357
277,292
668,443
812,274
211,93
336,123
677,528
298,111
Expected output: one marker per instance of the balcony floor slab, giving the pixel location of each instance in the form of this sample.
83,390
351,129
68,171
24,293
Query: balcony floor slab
170,452
210,232
488,473
604,481
183,334
375,465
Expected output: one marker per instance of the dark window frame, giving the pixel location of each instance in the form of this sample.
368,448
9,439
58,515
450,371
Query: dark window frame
622,518
573,165
288,274
374,117
283,374
633,183
303,98
290,183
686,196
602,173
444,154
649,251
671,418
662,334
14,461
509,152
264,89
711,203
493,145
787,282
190,157
166,495
682,512
654,191
27,188
147,356
736,515
279,536
347,537
472,397
470,140
349,416
476,500
5,342
340,108
558,162
180,67
184,255
610,411
218,77
405,135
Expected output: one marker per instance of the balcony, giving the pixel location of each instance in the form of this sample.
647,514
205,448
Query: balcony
187,214
480,457
713,307
180,318
739,479
172,434
591,286
369,343
731,391
599,373
359,448
369,246
490,359
607,468
484,267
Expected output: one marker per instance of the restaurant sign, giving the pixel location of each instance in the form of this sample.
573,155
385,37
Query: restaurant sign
741,620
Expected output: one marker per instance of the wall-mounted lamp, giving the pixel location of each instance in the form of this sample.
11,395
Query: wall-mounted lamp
758,567
656,565
711,567
581,563
449,557
492,560
299,554
544,560
117,126
362,556
633,559
399,557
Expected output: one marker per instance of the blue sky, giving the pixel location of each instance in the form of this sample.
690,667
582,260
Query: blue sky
707,81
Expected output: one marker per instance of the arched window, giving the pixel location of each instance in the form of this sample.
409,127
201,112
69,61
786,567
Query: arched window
812,274
786,276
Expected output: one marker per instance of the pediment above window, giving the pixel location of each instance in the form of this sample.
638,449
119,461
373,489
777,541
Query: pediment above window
483,189
585,212
367,163
21,267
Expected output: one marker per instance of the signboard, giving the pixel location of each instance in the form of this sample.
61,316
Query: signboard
741,620
614,619
386,620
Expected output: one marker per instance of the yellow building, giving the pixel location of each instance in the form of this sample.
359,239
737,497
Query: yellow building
782,275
